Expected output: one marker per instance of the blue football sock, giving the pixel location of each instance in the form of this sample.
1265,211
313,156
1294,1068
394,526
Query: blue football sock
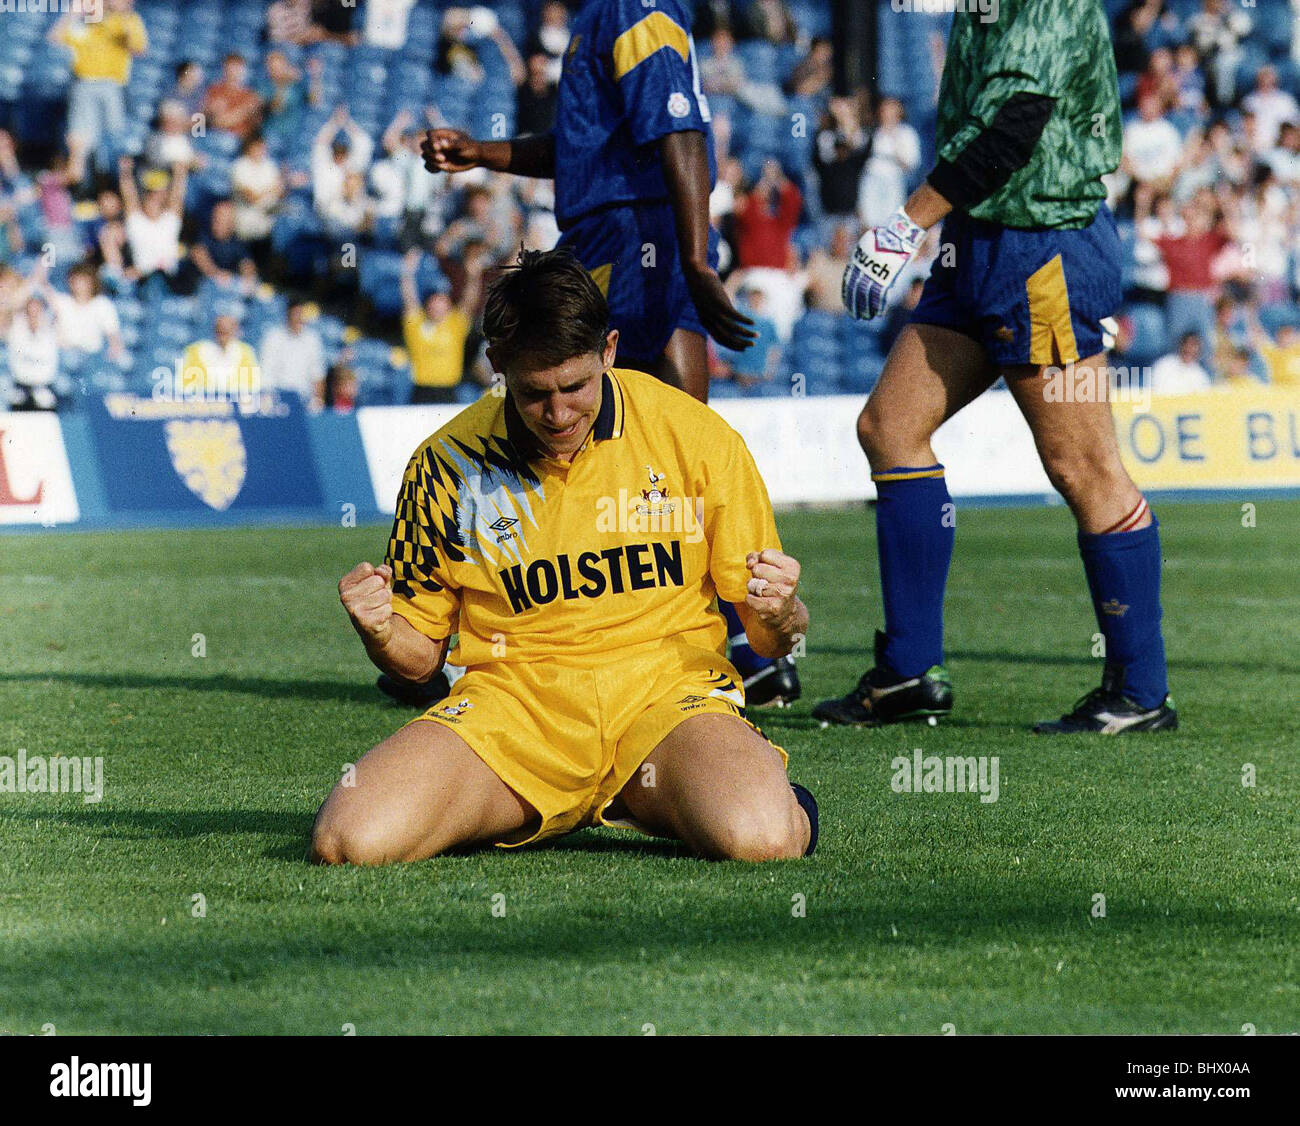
1123,570
914,535
747,662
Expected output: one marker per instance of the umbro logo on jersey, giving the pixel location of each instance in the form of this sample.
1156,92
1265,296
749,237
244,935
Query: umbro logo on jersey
502,525
692,700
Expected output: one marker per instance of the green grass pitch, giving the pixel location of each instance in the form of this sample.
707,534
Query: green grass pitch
922,910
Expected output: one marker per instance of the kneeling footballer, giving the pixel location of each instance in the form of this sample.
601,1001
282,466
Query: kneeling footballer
575,534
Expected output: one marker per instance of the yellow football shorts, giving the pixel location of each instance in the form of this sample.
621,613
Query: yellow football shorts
567,738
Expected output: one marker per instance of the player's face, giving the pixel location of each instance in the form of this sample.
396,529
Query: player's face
559,404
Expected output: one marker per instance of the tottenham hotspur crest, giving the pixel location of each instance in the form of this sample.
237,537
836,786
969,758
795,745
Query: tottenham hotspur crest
655,497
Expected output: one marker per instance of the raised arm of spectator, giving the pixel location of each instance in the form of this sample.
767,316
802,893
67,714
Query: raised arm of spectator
315,82
363,147
126,185
176,189
392,138
332,124
475,264
518,72
410,294
135,37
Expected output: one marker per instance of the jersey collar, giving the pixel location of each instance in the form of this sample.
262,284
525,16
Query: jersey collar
608,424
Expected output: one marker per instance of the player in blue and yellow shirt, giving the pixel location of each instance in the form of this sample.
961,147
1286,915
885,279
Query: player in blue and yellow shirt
573,534
632,159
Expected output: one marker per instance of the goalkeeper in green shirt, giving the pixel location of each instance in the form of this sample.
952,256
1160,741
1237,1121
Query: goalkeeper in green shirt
1029,122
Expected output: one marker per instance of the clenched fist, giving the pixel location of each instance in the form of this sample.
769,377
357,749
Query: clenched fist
450,150
368,599
774,579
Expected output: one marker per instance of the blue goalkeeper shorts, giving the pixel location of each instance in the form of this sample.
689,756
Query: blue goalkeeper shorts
633,255
1027,296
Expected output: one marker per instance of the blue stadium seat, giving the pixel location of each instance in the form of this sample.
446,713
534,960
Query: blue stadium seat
379,278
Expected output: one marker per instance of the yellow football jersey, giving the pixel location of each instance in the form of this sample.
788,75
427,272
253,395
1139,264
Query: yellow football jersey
526,557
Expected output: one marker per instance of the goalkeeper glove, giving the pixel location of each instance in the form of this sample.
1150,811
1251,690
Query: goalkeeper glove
880,256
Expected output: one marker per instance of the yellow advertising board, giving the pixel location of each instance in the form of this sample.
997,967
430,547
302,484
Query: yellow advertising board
1230,438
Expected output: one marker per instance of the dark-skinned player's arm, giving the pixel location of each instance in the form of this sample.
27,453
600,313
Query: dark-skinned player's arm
450,150
685,158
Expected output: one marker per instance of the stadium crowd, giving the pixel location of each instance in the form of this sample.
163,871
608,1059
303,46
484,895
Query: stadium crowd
240,182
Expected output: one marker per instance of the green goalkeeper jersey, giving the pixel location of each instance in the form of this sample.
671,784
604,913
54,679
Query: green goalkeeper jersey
1059,49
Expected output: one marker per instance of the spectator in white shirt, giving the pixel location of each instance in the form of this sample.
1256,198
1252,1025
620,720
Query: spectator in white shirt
385,23
293,358
1152,145
895,155
1181,372
258,189
341,146
86,320
1285,158
153,224
170,142
1271,106
401,179
34,358
351,213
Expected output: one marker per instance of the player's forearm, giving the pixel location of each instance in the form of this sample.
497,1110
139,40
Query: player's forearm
685,160
995,154
926,207
523,156
405,653
777,639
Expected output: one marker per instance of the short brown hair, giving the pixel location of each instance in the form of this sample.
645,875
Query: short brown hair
546,307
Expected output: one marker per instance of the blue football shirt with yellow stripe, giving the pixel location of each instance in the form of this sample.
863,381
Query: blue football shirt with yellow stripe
630,77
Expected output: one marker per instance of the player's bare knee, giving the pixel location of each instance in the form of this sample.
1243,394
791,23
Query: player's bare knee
357,843
873,436
758,834
890,441
1080,476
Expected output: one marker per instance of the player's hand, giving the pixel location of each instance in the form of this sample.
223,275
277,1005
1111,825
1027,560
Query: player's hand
450,150
720,318
368,599
772,587
877,261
